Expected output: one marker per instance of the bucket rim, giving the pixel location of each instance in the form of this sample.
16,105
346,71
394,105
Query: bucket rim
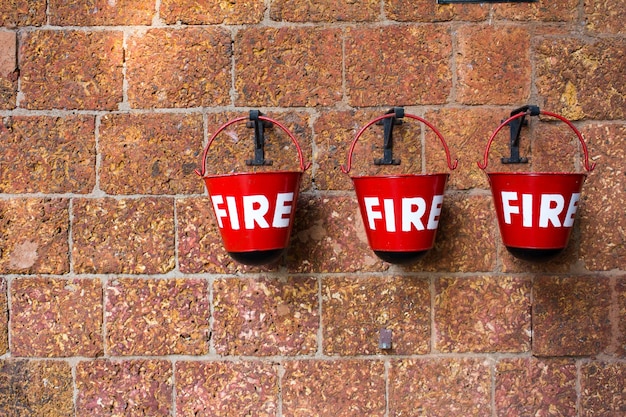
399,176
249,173
539,174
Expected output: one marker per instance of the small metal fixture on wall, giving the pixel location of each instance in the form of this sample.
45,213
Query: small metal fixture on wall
485,1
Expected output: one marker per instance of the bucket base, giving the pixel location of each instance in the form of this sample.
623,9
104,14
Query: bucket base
400,257
534,255
258,257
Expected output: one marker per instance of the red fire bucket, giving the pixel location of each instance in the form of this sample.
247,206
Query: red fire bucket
254,210
400,212
536,210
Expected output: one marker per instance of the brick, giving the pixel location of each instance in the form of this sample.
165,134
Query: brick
278,66
602,389
36,388
209,13
325,11
100,12
398,65
35,236
543,11
577,79
150,153
85,65
22,13
127,236
571,316
493,65
8,69
157,317
53,317
428,11
4,318
131,388
187,67
264,317
341,388
47,154
224,389
441,386
605,17
535,387
602,222
356,308
620,308
482,314
328,236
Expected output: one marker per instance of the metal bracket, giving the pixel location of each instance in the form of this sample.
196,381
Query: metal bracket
515,131
259,138
388,124
384,339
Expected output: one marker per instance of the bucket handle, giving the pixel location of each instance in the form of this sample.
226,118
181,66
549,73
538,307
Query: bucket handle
588,167
451,164
303,167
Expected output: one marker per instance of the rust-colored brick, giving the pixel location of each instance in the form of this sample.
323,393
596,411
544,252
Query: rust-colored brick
22,13
542,10
212,12
620,342
8,69
100,12
429,11
602,389
325,11
605,16
4,318
86,66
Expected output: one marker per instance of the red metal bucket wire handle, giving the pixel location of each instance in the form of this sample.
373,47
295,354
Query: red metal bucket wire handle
452,165
303,167
483,165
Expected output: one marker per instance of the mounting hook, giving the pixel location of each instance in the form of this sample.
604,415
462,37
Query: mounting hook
515,131
259,138
388,124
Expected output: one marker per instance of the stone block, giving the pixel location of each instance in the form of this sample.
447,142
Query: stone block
429,11
16,13
132,388
34,236
605,17
542,11
157,317
127,236
482,314
4,318
187,67
355,309
602,389
325,11
8,69
150,153
225,389
620,336
398,65
349,388
100,12
571,316
493,65
47,154
265,317
535,387
36,388
193,12
85,65
440,387
278,66
577,78
53,317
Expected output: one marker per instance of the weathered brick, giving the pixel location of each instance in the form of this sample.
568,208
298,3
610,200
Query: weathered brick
493,65
8,69
85,65
133,236
620,336
150,153
225,389
53,317
398,65
187,67
429,11
571,316
542,10
100,12
482,314
440,387
342,388
278,66
157,317
325,11
535,387
265,317
356,308
602,221
213,12
4,318
34,236
605,17
22,13
578,79
36,388
47,154
602,389
132,388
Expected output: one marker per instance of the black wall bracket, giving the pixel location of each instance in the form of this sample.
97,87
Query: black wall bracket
388,124
259,138
515,131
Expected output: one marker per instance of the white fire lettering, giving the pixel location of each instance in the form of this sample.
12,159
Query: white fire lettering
412,212
550,208
256,210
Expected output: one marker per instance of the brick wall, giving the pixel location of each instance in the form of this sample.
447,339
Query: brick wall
117,297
